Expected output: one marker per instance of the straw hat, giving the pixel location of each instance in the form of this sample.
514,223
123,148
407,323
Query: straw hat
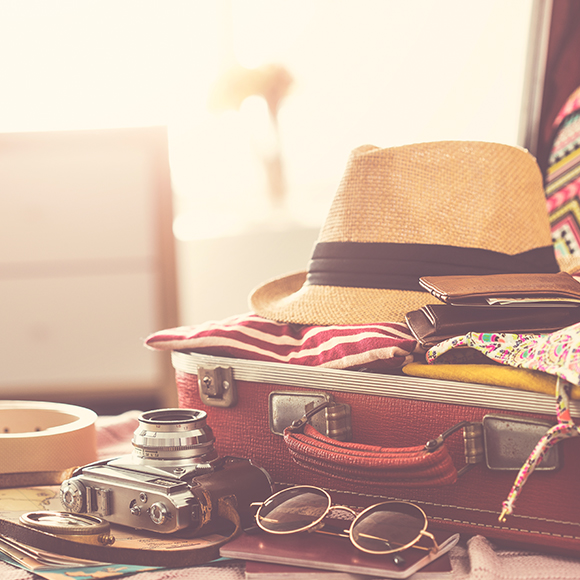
442,208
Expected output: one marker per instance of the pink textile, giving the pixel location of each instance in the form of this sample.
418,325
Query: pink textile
378,347
572,103
476,559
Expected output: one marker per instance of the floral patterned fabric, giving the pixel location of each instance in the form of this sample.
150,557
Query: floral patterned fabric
556,353
562,430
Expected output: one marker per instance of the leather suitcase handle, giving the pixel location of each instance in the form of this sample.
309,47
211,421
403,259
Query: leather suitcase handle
360,463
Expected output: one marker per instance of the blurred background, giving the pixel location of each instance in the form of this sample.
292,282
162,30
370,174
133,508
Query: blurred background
158,159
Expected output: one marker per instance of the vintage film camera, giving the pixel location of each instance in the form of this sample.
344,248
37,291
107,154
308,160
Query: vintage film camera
173,479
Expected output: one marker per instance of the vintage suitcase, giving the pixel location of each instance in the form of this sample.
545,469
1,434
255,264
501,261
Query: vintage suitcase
249,403
399,214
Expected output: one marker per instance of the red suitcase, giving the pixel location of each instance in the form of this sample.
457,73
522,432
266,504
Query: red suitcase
248,403
401,213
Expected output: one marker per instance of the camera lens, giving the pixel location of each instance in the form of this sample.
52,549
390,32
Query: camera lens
174,434
172,416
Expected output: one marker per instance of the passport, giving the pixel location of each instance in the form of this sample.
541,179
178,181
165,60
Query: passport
318,552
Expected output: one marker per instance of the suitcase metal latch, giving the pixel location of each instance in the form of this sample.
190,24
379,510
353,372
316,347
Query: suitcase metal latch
319,409
502,442
217,387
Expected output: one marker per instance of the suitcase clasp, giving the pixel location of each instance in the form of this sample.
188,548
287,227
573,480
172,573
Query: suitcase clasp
217,387
509,441
288,409
502,442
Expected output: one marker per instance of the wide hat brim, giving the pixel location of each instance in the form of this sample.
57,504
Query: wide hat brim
442,208
288,299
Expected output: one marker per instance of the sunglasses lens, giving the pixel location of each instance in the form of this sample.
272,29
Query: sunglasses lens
293,509
388,527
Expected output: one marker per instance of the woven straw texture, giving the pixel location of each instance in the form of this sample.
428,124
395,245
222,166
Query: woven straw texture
458,193
479,195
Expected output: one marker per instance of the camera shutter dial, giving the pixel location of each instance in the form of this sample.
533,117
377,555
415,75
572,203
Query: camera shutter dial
72,495
158,513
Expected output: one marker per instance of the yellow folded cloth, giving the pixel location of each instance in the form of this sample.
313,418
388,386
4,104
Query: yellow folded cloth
490,374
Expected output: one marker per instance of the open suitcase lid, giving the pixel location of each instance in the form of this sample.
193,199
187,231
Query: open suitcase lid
387,385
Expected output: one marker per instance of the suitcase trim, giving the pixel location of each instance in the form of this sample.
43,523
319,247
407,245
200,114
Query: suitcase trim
461,515
383,385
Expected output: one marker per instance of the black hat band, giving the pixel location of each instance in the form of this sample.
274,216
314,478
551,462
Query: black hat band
393,266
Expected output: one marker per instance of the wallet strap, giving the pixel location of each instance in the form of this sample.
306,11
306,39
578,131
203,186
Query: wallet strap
359,463
199,553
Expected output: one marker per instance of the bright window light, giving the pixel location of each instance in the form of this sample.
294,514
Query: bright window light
383,72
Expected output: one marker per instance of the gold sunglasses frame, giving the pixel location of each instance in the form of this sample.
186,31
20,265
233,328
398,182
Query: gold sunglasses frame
317,524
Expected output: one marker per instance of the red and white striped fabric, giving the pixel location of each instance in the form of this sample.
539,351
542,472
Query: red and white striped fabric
375,347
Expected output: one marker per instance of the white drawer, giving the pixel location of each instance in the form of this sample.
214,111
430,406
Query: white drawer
62,202
77,333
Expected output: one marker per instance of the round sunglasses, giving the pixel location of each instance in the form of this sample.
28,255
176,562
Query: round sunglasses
383,528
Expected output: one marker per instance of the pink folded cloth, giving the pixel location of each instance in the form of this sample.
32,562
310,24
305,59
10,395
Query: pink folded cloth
375,347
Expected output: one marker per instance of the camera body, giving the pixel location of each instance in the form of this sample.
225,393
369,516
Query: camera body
172,481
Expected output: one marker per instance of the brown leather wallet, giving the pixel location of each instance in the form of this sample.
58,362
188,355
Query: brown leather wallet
437,322
536,289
